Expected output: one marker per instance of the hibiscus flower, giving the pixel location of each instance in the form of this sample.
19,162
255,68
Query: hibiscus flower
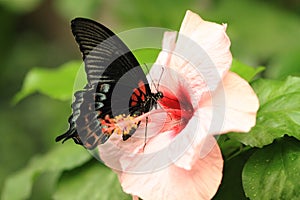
202,98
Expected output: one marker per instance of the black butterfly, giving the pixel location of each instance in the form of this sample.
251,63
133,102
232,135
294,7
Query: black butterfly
117,87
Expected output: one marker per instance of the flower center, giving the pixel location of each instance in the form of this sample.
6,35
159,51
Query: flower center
179,110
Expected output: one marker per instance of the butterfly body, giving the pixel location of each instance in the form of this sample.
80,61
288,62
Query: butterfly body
117,90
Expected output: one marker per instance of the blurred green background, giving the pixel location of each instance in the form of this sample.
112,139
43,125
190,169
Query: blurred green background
36,33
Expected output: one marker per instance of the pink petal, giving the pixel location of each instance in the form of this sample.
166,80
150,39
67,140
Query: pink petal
191,143
135,197
168,45
184,148
211,37
172,182
202,52
199,58
232,107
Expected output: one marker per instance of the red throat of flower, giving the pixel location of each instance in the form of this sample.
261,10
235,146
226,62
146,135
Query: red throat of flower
179,111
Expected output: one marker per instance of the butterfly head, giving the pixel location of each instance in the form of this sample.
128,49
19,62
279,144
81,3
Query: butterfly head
159,95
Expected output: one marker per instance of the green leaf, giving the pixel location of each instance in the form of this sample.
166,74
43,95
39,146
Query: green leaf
56,83
19,185
279,112
273,172
229,146
92,181
65,157
245,71
231,185
45,185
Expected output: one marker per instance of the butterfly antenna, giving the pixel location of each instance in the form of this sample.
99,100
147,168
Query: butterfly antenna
150,77
163,70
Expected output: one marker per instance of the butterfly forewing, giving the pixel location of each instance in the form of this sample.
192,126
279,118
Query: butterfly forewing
106,57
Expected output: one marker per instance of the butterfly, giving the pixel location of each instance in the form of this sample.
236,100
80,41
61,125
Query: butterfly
117,89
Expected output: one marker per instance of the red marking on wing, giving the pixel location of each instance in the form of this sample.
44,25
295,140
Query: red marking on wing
133,103
142,87
137,92
134,97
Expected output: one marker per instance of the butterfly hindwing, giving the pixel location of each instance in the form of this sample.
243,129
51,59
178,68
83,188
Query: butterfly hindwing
84,125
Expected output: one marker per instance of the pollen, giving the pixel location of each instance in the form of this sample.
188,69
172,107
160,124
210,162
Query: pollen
121,124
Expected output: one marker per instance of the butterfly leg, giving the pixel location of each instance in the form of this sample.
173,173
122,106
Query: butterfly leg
145,141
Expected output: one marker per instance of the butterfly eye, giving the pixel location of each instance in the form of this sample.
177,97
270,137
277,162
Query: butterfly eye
160,95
